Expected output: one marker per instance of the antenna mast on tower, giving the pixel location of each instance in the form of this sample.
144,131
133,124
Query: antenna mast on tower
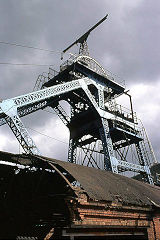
83,49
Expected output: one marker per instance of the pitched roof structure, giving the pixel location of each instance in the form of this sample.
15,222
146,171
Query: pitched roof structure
102,185
98,184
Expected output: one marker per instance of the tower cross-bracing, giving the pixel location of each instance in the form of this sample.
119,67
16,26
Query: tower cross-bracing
102,133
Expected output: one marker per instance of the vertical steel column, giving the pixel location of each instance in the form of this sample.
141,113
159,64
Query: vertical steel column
140,155
101,98
110,162
144,163
72,151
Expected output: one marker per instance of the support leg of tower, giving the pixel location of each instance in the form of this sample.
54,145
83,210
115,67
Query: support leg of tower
140,155
72,151
22,135
14,122
143,163
110,162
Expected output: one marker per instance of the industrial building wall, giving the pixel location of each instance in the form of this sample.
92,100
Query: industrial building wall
154,230
108,206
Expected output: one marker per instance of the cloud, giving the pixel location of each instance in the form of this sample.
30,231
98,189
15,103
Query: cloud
51,139
146,101
50,146
8,143
127,43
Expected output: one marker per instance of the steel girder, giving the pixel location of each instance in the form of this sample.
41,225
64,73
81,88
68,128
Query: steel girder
22,135
37,99
9,111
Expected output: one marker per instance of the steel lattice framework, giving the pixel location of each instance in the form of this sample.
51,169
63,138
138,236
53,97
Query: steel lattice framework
90,120
102,134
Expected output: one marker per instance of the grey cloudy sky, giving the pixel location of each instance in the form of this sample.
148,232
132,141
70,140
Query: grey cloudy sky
126,44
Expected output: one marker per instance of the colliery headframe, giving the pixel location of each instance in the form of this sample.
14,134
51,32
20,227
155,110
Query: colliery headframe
66,200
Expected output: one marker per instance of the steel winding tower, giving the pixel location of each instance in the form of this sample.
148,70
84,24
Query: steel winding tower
102,133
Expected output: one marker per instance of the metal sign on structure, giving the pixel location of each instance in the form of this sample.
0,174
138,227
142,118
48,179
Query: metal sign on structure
102,133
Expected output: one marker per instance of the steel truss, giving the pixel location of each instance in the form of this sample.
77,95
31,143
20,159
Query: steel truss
91,119
109,148
12,109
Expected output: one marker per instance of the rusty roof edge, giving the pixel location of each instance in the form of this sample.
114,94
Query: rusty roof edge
56,169
94,198
155,204
52,163
104,192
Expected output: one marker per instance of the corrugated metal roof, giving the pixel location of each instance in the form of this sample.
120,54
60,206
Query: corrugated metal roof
103,185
